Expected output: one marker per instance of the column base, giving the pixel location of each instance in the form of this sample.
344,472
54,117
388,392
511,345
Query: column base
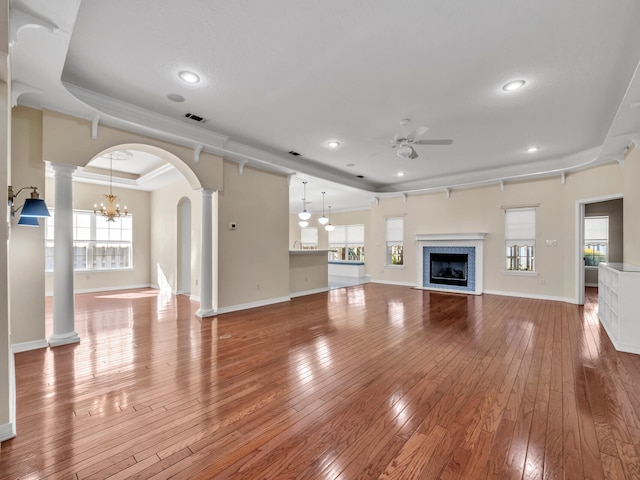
205,313
63,339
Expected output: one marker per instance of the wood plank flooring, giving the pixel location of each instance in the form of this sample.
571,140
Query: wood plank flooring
371,381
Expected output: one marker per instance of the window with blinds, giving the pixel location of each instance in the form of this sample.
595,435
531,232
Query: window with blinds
596,240
309,238
346,242
395,240
97,243
520,239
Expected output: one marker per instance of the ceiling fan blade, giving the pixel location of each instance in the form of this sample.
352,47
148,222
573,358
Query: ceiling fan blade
413,153
417,133
434,141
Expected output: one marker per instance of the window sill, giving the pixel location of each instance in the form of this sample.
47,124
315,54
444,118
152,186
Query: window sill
88,270
395,267
520,273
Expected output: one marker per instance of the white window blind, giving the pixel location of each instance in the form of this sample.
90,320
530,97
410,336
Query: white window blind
596,229
355,235
395,229
520,224
309,236
338,235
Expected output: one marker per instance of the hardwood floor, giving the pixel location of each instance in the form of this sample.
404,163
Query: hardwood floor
371,381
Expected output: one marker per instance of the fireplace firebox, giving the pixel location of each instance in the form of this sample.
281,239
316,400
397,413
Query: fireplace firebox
449,269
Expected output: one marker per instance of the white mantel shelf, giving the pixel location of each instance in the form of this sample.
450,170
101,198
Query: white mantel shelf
450,236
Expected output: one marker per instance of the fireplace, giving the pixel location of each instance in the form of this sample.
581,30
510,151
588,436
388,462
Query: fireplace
449,268
451,262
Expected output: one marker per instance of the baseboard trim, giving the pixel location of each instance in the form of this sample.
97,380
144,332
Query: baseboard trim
308,292
246,306
105,289
389,282
8,430
27,346
533,296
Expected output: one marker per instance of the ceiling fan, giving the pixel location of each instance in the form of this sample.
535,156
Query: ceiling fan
404,143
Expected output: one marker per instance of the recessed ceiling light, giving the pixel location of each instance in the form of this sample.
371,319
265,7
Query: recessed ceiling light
514,85
532,149
400,174
189,77
333,144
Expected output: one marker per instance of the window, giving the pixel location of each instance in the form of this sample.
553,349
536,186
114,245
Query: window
97,243
596,240
346,242
309,238
520,239
395,244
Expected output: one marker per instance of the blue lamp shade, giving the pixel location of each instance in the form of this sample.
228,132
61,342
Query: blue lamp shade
28,222
34,208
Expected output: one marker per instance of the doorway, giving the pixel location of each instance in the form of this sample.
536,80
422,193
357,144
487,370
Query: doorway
596,243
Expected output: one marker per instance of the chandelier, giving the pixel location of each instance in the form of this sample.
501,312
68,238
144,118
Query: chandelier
111,210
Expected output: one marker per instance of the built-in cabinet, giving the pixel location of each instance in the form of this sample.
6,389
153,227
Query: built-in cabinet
619,304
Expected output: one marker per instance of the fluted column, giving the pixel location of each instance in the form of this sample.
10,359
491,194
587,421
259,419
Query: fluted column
63,307
206,256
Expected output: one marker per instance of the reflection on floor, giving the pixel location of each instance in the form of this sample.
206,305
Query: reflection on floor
338,281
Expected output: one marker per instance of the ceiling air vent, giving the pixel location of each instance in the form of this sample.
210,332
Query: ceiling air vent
195,118
295,154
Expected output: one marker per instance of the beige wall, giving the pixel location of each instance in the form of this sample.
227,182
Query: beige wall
26,249
632,208
7,378
165,232
308,272
253,259
85,195
480,210
68,140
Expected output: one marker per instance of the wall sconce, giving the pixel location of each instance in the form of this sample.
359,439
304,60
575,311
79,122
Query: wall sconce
33,208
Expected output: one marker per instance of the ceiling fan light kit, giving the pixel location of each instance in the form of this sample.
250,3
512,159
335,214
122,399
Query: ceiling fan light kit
404,143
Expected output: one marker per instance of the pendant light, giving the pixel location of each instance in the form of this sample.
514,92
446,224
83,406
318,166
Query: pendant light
328,227
323,220
304,215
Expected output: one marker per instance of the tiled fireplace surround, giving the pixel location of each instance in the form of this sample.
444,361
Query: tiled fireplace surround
467,243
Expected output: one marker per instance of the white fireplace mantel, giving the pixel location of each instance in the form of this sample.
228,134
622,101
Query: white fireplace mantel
474,239
450,236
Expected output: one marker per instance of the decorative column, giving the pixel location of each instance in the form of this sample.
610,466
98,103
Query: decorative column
206,257
63,307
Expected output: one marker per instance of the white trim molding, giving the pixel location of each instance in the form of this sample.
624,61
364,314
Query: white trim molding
28,346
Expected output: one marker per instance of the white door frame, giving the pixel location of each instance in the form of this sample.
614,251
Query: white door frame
579,255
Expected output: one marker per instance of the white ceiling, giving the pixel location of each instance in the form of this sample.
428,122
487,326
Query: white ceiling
289,75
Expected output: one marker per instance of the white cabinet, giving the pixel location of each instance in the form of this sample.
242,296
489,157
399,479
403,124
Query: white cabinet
619,304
